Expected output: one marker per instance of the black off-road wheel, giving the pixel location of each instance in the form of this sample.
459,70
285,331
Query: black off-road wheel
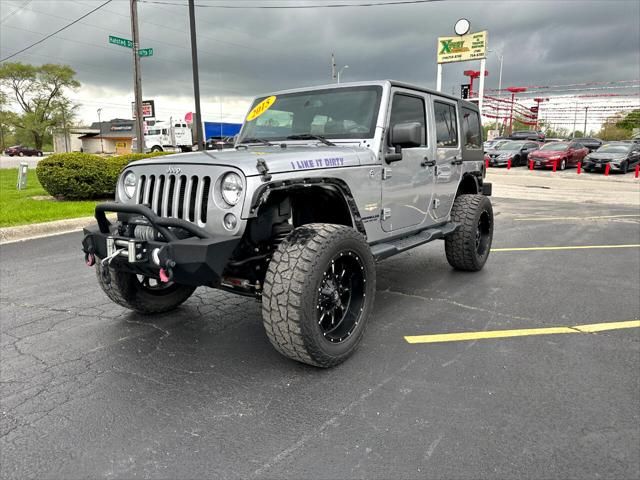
142,294
468,247
318,294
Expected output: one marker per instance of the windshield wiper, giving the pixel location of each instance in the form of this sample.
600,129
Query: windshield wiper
310,136
261,141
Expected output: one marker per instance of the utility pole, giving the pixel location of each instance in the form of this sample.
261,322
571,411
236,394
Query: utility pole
333,67
575,119
584,132
137,80
196,78
100,126
64,130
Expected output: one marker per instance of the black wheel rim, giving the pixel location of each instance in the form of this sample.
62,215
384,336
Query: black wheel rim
483,232
341,297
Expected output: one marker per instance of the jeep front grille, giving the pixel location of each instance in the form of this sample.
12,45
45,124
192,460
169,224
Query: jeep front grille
178,196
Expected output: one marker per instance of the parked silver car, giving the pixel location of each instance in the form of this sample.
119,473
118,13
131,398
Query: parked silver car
323,183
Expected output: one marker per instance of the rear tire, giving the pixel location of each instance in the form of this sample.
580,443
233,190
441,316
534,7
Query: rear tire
468,247
128,290
318,294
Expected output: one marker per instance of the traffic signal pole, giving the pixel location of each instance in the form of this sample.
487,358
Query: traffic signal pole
137,80
196,79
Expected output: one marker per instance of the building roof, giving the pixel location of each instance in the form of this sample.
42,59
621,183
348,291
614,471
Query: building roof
115,128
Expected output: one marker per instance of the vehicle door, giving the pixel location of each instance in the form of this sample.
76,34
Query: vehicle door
407,183
572,154
448,156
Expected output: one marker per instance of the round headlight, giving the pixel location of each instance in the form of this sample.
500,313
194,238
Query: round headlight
231,188
129,184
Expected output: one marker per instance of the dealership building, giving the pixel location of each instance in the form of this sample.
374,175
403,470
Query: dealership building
112,137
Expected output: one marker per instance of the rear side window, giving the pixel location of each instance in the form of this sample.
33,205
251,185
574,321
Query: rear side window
406,109
471,131
446,124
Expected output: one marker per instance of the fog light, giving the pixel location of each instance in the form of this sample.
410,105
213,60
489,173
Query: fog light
230,221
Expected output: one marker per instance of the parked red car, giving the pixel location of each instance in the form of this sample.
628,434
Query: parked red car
563,154
21,151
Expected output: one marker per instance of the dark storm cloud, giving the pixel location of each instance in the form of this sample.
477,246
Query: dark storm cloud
248,51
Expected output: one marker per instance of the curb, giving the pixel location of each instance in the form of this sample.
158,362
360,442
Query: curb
38,230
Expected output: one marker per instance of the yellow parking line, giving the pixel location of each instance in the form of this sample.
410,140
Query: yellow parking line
541,219
466,336
572,247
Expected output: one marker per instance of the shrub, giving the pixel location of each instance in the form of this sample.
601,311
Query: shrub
82,176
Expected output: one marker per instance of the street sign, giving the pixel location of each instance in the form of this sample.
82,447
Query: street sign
148,109
124,42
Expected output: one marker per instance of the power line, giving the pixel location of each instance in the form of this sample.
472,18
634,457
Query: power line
13,12
57,31
275,7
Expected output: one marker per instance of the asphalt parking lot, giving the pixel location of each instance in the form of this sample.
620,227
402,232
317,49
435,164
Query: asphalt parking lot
13,162
90,390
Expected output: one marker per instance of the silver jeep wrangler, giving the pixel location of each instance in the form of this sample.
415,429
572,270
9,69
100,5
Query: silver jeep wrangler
322,183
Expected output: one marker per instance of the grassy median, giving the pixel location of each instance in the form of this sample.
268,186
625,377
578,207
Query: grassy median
34,205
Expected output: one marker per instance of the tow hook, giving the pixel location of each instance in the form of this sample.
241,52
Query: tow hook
166,274
89,259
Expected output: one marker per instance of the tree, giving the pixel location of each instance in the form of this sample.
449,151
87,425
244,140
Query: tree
630,121
39,93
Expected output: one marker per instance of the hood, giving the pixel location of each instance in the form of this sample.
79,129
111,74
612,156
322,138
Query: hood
607,156
546,153
277,159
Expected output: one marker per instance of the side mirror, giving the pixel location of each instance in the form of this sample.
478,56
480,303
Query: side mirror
406,135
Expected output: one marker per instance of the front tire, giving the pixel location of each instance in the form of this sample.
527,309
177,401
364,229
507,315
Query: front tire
563,164
624,167
318,294
156,149
143,295
468,247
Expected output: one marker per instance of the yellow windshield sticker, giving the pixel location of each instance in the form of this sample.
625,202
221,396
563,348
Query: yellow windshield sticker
262,107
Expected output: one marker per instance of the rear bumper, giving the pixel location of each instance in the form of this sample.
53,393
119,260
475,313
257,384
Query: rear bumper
197,260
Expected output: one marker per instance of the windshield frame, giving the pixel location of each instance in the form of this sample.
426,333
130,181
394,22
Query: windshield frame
370,134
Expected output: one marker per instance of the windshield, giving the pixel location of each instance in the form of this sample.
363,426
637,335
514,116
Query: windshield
336,113
614,149
510,146
555,147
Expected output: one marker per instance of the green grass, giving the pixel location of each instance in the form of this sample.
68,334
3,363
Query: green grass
17,207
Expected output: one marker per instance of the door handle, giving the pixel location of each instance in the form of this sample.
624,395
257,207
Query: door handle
427,162
455,161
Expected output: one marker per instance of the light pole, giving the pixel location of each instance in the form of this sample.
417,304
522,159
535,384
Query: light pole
100,124
584,132
340,71
513,91
501,57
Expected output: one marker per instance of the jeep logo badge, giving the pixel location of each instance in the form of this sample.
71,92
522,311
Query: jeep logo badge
173,170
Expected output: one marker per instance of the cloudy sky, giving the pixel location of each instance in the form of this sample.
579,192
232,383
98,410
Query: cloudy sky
248,51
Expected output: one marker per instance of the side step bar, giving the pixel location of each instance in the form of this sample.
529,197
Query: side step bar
387,249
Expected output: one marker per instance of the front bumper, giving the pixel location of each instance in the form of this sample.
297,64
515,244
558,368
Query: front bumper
544,162
601,165
196,260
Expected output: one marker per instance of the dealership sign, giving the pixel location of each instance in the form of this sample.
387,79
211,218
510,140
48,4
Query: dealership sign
148,109
461,48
